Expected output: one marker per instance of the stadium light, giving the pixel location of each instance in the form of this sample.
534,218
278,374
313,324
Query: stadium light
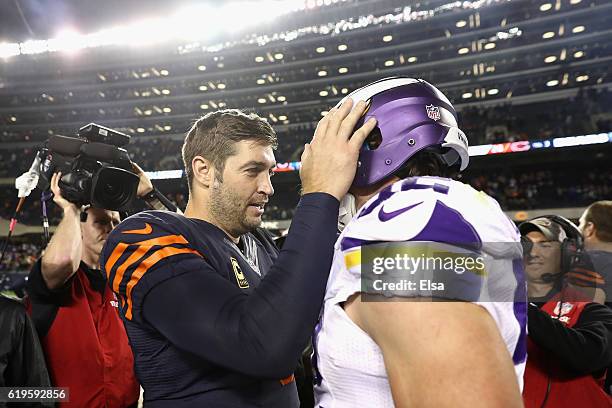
188,25
545,7
9,50
34,47
68,41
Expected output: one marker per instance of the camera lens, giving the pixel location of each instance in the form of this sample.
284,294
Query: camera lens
114,188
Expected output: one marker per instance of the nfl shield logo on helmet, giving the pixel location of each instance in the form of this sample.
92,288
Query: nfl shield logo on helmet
433,112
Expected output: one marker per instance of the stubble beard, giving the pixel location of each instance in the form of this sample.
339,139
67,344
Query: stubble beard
228,212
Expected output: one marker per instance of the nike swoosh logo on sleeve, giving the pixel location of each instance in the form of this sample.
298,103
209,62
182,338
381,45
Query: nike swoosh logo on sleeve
144,231
386,216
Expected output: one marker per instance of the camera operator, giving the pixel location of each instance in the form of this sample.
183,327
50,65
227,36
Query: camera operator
75,312
569,338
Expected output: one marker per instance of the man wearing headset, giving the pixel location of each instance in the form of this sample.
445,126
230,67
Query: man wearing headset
569,338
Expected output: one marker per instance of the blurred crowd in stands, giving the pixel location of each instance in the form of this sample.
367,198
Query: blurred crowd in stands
514,190
19,257
587,113
584,114
520,189
544,188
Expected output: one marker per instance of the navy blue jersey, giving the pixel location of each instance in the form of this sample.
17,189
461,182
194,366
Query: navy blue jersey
214,323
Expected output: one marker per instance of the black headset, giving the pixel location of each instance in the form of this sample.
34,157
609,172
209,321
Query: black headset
84,210
572,247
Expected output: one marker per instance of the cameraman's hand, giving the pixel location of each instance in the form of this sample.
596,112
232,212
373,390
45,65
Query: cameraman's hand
144,185
57,194
329,162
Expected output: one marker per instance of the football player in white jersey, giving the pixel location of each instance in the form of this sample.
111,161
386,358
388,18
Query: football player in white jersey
383,341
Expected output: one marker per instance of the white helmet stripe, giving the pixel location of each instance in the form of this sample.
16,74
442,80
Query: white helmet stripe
368,91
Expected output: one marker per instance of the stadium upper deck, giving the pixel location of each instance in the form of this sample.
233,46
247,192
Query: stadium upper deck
497,53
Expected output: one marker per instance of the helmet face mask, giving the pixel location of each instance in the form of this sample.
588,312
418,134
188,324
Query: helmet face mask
412,115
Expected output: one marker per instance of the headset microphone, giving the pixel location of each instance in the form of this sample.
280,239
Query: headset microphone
550,277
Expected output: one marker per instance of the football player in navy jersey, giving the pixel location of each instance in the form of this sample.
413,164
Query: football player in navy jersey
215,314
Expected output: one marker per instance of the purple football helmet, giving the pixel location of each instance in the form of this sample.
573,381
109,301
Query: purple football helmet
412,115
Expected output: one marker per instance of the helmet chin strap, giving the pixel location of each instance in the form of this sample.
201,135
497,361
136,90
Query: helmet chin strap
347,211
451,157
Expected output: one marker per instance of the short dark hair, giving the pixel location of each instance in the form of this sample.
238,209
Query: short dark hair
427,162
600,214
214,135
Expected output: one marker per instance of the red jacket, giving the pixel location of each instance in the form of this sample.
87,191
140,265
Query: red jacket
546,379
84,340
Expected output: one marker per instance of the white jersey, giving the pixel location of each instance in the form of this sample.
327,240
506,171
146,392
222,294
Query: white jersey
349,366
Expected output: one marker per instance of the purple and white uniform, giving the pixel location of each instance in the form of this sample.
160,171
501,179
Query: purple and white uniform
349,365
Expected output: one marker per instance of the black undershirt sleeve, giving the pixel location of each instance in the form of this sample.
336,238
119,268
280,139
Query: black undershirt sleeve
261,334
586,347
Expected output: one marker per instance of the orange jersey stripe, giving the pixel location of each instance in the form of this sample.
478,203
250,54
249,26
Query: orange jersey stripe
288,380
144,267
588,272
115,255
589,279
144,246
